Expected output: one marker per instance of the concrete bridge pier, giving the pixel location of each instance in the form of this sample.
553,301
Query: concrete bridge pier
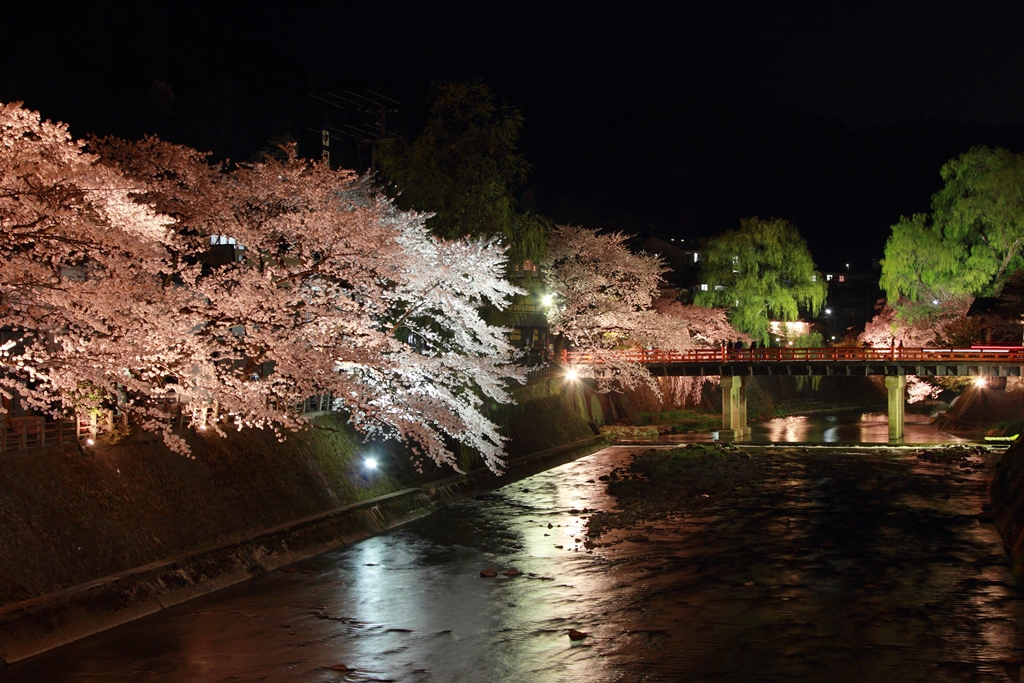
734,409
897,396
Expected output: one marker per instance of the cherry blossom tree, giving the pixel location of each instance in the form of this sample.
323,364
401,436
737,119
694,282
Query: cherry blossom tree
920,390
605,298
337,291
697,326
944,320
690,326
81,260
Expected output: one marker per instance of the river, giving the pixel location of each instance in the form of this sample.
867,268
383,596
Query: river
856,564
846,427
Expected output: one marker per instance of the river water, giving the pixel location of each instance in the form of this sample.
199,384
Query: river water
844,565
846,427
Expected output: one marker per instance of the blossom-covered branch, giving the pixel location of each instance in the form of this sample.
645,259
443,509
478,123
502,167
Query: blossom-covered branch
335,291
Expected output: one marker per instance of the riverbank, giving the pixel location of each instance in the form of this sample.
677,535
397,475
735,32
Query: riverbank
48,621
852,564
1007,496
94,539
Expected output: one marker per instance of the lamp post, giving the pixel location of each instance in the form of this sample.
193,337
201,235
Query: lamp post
830,318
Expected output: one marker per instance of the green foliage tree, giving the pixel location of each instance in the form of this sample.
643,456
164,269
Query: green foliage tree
971,243
464,168
761,272
920,267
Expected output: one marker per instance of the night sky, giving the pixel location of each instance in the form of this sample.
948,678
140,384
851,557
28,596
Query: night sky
679,122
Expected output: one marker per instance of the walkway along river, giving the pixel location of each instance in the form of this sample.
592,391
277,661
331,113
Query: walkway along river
849,564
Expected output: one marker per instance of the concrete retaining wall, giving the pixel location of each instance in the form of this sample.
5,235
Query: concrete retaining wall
1007,495
41,623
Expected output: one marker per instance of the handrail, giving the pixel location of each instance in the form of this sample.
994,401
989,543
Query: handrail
1013,356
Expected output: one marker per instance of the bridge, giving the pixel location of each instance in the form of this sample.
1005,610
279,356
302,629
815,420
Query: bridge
894,363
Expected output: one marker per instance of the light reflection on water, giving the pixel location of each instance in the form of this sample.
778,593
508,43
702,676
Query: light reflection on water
870,566
842,427
846,427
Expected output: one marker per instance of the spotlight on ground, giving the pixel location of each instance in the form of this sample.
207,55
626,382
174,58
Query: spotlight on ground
370,463
980,381
548,300
572,375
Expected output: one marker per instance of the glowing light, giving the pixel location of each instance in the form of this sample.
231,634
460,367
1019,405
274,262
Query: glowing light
202,426
980,381
370,463
572,375
548,299
90,442
828,311
935,302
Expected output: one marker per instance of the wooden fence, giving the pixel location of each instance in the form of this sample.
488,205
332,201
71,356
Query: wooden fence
24,433
32,431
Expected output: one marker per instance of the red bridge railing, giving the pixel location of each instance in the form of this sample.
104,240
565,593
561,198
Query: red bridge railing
845,354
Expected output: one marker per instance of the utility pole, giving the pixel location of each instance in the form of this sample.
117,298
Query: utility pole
370,111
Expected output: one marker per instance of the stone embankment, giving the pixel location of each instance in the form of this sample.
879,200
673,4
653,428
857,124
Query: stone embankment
95,539
1007,494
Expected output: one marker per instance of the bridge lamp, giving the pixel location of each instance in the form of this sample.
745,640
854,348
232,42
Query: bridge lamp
980,381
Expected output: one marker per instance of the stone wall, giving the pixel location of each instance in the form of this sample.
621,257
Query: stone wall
1007,495
550,412
978,408
73,517
94,538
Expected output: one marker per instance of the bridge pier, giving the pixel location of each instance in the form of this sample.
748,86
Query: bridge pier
734,409
897,396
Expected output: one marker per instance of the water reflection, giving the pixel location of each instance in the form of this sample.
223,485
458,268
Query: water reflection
846,427
841,427
870,566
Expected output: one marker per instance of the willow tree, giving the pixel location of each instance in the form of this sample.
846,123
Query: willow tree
761,272
970,243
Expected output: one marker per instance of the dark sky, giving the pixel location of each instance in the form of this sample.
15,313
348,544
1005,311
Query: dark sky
834,115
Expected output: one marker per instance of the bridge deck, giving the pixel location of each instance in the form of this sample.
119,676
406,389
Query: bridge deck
836,360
